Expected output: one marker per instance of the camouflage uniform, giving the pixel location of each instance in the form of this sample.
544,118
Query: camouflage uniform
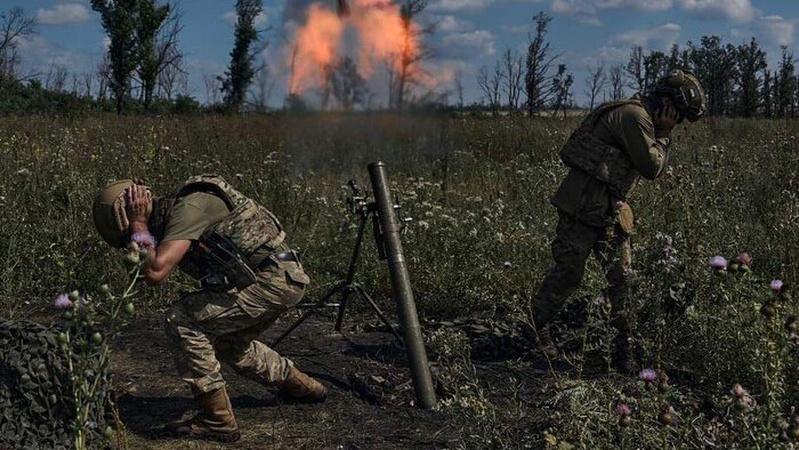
223,321
613,147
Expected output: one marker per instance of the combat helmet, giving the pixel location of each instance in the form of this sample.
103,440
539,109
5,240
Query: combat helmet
109,213
684,89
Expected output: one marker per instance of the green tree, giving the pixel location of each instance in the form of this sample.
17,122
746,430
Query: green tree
150,20
241,72
785,85
656,64
119,19
751,60
767,96
715,65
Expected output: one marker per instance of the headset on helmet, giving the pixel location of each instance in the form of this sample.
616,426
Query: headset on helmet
684,89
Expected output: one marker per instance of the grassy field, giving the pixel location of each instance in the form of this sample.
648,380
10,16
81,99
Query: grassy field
478,191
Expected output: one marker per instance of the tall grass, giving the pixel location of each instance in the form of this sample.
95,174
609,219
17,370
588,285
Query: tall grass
478,191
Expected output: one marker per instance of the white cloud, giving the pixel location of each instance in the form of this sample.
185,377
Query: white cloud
468,45
230,18
739,10
590,7
592,21
459,5
639,5
64,14
451,24
661,37
777,29
41,53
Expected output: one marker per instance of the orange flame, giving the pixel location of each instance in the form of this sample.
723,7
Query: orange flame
383,38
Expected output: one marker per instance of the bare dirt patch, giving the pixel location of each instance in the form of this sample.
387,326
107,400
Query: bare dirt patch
370,403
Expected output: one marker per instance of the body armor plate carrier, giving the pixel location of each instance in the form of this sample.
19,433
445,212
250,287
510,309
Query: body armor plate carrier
225,253
585,151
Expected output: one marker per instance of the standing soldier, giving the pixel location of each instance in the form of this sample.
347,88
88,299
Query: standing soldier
613,147
236,248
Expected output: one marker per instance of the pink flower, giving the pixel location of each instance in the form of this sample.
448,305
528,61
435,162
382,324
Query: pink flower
744,258
739,391
776,285
648,375
63,302
718,262
144,239
623,409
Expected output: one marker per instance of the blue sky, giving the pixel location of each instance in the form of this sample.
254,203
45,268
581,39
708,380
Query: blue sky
471,33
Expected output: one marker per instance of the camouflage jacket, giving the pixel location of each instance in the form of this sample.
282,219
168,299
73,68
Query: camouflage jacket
253,229
614,146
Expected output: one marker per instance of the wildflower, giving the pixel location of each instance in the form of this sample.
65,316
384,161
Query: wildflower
648,375
623,409
667,416
600,300
63,302
144,239
776,285
742,400
507,264
718,262
744,259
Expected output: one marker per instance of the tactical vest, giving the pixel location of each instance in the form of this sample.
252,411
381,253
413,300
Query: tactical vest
250,226
586,152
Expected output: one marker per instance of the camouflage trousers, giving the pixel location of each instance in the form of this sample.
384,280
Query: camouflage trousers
207,326
574,242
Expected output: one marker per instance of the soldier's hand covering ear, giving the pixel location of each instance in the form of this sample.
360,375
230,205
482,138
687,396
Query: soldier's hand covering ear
139,202
665,118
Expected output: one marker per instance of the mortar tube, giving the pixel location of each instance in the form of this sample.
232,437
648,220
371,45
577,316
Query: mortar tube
401,288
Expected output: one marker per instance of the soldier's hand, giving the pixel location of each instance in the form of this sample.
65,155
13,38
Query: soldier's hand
665,119
140,203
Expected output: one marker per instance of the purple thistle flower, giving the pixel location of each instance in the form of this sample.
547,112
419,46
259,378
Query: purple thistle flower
648,375
776,285
144,239
718,262
63,302
623,409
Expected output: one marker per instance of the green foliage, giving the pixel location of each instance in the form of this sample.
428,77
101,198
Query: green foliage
477,189
240,72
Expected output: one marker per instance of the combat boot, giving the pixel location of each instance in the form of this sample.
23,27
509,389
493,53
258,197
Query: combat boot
623,357
215,422
299,387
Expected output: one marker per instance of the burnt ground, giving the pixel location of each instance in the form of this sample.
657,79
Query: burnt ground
370,401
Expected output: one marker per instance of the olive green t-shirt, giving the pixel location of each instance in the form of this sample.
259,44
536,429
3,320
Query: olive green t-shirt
192,214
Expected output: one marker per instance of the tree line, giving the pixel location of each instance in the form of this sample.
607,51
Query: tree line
737,79
143,70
